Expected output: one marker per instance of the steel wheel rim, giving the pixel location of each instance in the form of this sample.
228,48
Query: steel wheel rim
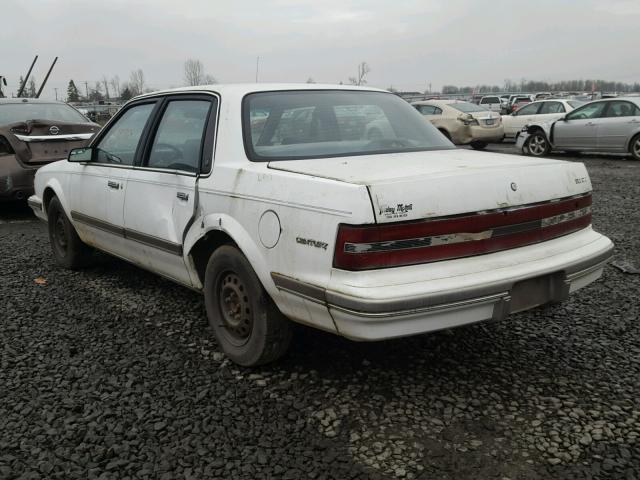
636,148
235,308
537,144
60,233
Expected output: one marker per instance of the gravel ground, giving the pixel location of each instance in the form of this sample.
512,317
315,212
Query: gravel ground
111,373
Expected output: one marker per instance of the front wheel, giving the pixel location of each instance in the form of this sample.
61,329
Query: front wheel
477,145
68,250
248,326
537,144
634,147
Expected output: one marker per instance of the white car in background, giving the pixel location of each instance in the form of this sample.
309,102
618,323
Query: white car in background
462,122
540,111
608,126
493,103
296,218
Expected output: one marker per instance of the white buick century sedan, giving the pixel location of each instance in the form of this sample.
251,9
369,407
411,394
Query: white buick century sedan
273,202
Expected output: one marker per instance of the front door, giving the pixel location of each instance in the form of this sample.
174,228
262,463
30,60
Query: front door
98,187
621,119
161,193
579,129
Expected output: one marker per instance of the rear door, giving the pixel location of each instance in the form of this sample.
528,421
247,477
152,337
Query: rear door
579,129
161,191
513,123
620,120
98,187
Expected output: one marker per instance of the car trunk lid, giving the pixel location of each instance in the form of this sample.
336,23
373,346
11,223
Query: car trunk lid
424,185
44,141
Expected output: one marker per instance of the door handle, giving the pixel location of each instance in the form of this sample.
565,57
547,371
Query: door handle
183,196
590,124
633,121
114,185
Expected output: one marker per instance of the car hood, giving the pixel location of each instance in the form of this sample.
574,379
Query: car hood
410,186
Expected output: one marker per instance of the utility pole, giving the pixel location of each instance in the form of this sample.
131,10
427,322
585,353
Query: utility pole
56,90
86,89
257,67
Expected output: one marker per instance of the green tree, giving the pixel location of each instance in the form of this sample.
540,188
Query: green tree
30,91
126,93
72,92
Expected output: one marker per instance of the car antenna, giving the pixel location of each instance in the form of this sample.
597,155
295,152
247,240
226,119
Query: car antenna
44,82
24,82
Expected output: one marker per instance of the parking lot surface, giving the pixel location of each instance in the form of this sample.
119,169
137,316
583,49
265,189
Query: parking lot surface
112,373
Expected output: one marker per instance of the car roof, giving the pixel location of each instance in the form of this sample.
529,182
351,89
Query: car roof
26,100
246,88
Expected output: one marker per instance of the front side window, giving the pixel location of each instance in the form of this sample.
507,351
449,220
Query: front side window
178,141
315,124
528,110
551,107
119,144
590,110
621,109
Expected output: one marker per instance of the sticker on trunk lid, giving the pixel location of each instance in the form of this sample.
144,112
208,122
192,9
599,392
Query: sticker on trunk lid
399,211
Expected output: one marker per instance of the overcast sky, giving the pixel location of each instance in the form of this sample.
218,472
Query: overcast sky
408,44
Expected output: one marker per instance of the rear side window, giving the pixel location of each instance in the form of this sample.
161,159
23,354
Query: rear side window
178,141
528,110
490,100
552,107
428,110
621,109
119,144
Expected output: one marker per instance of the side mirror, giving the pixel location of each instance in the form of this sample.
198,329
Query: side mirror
563,118
84,154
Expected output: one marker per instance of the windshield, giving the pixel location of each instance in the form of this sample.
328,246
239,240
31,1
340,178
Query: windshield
298,125
23,112
466,107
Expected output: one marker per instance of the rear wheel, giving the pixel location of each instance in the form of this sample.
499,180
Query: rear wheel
68,250
537,144
248,326
478,145
634,147
445,133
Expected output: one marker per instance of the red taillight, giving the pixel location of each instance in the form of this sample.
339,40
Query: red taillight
364,247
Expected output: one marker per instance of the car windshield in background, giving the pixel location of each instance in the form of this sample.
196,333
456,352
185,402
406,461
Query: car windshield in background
575,103
297,125
466,107
23,112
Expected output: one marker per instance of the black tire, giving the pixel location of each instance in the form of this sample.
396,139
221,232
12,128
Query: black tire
478,145
445,133
248,326
537,144
68,250
634,147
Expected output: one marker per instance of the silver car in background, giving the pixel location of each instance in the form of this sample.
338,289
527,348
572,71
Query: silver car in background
611,126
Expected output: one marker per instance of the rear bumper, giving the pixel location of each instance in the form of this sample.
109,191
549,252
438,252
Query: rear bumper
470,134
16,181
376,312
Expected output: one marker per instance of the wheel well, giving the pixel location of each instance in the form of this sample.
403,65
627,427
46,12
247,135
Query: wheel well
633,139
46,197
204,247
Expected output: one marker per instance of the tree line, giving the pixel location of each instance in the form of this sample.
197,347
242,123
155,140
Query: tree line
540,86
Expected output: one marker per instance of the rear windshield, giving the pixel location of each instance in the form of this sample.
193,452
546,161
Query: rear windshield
23,112
297,125
575,103
467,107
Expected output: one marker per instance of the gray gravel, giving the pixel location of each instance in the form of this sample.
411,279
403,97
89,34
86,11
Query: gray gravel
111,373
